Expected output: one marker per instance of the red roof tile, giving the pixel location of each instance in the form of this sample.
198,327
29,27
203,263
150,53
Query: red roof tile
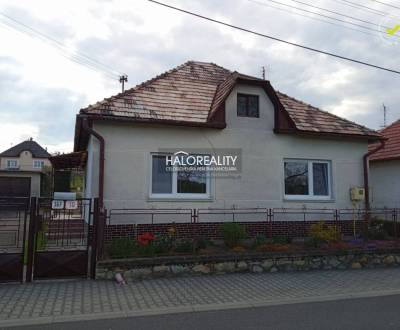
391,150
195,91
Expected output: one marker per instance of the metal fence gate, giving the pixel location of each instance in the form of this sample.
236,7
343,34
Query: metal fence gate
60,237
14,214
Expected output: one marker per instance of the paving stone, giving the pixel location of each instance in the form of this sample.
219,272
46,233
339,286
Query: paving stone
64,299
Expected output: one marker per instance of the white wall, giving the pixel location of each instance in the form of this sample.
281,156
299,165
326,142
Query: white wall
128,148
385,183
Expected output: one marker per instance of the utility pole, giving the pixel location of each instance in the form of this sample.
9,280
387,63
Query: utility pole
263,72
123,79
384,114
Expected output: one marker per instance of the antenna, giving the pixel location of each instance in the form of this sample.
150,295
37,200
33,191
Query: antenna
384,114
263,72
123,79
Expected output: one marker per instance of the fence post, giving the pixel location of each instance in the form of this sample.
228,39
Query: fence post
98,236
31,239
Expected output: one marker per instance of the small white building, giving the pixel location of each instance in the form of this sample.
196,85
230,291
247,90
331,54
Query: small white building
291,153
385,169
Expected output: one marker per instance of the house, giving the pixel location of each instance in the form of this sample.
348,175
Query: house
21,169
291,154
385,169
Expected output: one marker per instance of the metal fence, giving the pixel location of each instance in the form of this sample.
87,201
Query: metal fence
270,222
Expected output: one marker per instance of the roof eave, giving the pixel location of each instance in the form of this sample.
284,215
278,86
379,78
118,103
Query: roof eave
329,134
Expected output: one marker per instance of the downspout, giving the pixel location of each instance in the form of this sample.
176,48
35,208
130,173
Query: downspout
91,131
366,187
366,172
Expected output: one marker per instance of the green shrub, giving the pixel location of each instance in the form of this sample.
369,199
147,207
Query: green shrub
313,242
202,243
377,231
121,248
184,246
321,232
233,233
163,244
259,240
280,239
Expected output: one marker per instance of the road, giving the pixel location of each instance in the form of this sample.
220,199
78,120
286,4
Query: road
355,314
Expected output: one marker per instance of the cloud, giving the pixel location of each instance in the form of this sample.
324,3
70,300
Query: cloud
43,90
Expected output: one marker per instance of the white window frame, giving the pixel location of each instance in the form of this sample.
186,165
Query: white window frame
14,161
310,195
175,194
38,161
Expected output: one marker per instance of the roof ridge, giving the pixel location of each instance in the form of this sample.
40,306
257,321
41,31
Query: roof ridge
327,112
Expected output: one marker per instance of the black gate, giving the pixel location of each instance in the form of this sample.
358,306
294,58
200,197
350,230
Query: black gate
61,238
14,215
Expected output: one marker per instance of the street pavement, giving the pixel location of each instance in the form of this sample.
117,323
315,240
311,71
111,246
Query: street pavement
356,314
52,302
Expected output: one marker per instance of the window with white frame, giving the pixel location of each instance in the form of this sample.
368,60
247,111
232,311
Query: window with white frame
177,184
12,163
38,163
307,179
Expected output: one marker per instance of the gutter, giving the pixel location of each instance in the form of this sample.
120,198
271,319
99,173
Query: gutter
366,172
102,143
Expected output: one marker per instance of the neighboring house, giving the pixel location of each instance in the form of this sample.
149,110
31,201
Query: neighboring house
385,169
292,154
21,168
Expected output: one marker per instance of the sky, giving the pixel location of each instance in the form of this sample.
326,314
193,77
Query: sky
42,89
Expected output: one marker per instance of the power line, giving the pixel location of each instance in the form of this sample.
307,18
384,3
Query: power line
335,12
273,38
362,7
385,4
79,58
318,19
319,14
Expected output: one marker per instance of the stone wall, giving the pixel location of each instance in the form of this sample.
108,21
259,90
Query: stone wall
146,268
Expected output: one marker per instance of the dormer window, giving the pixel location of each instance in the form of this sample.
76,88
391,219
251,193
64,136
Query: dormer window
248,105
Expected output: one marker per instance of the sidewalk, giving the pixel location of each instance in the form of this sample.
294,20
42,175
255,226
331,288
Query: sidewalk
47,302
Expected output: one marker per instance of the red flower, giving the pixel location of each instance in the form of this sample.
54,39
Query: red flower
145,238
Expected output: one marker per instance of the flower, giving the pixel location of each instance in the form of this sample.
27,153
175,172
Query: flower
145,238
171,231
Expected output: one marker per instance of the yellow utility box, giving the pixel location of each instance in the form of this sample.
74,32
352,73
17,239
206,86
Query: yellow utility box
357,194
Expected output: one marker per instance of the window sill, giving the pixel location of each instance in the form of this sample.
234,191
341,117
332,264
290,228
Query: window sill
309,200
179,199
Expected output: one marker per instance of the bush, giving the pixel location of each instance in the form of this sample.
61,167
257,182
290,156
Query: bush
184,246
233,233
281,239
320,232
163,244
259,240
121,248
377,231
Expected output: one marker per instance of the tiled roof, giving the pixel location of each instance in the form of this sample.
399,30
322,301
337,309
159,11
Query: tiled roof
29,145
309,118
184,93
391,150
195,91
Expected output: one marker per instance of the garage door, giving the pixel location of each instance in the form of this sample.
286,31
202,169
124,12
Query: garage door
15,187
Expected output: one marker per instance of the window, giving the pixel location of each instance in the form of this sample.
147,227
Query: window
248,105
12,163
177,184
38,163
307,179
